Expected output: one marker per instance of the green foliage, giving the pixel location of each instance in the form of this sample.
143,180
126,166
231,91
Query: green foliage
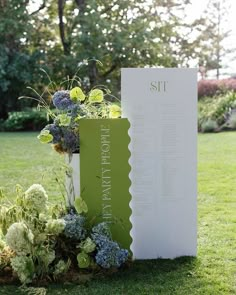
38,238
216,109
232,121
25,121
61,267
121,34
27,233
80,205
209,126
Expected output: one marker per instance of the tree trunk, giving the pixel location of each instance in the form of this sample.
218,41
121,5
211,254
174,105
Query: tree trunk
64,41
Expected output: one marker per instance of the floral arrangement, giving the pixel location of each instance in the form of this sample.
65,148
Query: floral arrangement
44,241
72,105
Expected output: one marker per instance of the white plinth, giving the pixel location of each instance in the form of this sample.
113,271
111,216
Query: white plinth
73,182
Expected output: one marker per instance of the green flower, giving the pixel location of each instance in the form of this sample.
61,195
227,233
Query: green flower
77,94
83,260
64,120
61,267
36,198
96,95
88,246
24,267
55,226
19,238
45,136
114,111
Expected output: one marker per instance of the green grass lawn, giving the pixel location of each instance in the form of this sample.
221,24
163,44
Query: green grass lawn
25,161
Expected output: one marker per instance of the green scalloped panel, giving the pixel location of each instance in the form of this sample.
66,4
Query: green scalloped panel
104,174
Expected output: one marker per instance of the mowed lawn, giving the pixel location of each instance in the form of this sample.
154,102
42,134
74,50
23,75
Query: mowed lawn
25,161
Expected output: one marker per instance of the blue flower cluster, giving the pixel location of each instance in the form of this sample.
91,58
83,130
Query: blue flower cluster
74,226
61,100
109,253
102,229
70,140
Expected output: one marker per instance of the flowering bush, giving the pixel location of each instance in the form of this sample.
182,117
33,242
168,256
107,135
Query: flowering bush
214,114
73,105
51,243
214,87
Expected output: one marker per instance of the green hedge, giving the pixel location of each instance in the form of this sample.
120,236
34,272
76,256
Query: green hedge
30,120
216,114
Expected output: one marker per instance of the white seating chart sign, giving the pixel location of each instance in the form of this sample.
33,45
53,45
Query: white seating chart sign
161,105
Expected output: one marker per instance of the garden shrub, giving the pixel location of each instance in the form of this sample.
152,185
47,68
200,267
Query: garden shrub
43,241
31,120
217,109
232,121
209,126
211,88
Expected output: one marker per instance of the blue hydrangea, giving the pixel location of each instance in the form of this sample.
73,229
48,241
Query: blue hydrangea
70,140
74,111
102,229
110,255
100,240
55,131
74,226
61,100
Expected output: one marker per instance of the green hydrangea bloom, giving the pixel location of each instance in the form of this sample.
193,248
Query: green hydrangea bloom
88,246
19,238
24,267
83,260
55,226
36,198
61,267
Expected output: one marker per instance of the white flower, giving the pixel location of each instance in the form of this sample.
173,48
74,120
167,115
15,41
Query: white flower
19,238
36,198
24,267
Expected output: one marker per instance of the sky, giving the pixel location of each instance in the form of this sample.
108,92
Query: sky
196,9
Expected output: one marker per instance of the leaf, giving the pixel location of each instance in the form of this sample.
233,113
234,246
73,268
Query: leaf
96,95
77,94
80,206
83,260
45,136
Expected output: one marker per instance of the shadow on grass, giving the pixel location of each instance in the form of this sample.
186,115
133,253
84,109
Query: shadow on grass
161,276
143,277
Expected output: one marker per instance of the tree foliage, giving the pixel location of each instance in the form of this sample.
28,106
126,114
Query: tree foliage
60,35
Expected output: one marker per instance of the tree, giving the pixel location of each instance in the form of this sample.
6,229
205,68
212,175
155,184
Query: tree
119,33
214,35
17,63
